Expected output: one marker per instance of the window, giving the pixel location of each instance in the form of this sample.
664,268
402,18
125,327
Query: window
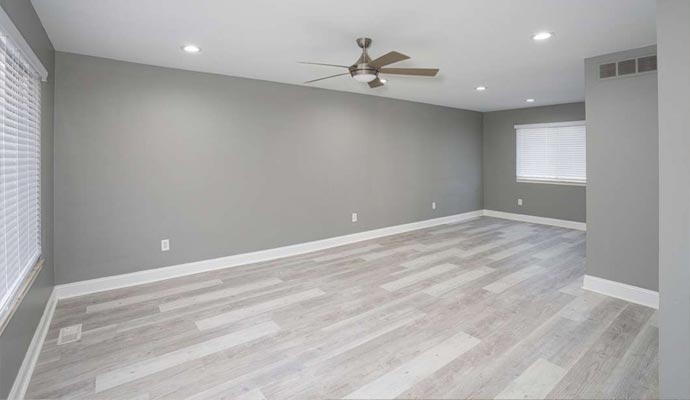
552,153
20,164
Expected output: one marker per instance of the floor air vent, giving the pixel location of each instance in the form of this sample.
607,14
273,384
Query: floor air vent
633,66
69,334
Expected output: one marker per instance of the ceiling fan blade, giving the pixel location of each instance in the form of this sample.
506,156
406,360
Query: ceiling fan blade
375,83
324,64
328,77
410,71
389,58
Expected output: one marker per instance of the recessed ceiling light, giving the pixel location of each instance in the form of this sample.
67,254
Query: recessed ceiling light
530,100
539,36
383,80
480,88
190,48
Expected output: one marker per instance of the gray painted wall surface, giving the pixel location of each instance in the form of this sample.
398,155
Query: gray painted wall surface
623,174
673,31
17,335
501,191
222,165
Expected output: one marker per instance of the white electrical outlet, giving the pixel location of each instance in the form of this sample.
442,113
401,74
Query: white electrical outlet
165,244
433,205
354,217
519,202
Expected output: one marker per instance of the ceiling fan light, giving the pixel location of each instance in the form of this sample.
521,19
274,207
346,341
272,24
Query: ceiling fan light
364,78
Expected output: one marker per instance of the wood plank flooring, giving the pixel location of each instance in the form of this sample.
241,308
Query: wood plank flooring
488,308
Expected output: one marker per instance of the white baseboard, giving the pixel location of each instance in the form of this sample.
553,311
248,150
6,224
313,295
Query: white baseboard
21,382
563,223
152,275
156,274
622,291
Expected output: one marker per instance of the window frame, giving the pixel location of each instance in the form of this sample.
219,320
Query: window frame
13,39
563,182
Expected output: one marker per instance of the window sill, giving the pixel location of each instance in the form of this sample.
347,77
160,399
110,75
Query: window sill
584,184
13,305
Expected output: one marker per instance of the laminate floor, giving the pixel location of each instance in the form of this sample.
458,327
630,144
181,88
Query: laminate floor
487,308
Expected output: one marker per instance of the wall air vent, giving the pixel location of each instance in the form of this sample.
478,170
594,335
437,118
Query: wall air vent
646,64
627,67
631,67
607,70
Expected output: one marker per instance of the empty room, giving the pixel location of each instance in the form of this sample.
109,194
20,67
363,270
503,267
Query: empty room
317,199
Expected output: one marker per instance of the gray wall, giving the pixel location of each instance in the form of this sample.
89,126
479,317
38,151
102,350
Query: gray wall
623,174
673,31
16,337
501,191
223,165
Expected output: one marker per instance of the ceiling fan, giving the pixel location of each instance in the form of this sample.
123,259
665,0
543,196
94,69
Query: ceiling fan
367,70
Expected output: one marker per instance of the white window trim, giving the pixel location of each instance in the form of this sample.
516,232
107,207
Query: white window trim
13,304
21,44
548,182
10,33
550,125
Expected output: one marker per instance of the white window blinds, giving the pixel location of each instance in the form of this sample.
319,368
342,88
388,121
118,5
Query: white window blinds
552,153
20,167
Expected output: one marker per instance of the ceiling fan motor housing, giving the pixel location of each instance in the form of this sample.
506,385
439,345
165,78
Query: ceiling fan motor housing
363,72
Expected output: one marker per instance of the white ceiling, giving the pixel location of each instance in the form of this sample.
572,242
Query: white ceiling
478,42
